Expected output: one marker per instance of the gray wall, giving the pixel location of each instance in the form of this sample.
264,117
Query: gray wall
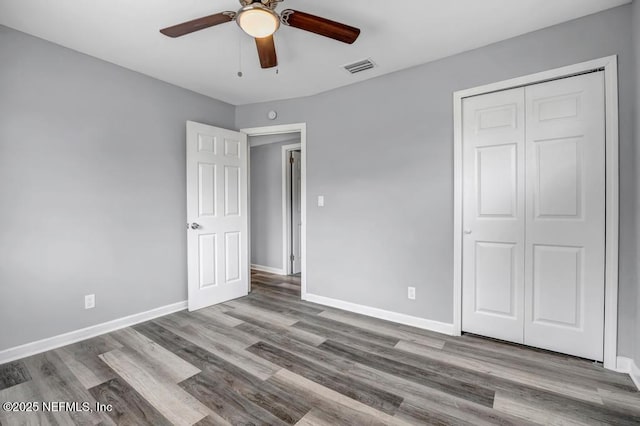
266,199
636,43
381,152
92,177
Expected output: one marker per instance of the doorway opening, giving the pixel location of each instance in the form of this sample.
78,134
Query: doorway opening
277,207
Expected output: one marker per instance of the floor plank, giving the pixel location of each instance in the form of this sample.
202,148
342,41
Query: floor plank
249,362
519,376
12,374
82,359
162,362
54,382
326,399
222,380
439,402
542,410
473,392
128,406
294,333
386,329
24,392
364,393
232,406
261,314
336,414
169,399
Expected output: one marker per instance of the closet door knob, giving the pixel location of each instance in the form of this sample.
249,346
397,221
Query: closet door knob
195,226
467,231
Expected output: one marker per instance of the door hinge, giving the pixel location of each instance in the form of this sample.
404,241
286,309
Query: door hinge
291,159
292,258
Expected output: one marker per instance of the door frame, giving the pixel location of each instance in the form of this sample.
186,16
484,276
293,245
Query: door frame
276,130
286,217
609,65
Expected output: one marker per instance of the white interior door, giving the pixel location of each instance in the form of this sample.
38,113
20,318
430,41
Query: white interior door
493,205
217,246
565,216
296,212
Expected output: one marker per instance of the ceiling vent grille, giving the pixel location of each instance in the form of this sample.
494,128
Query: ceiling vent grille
360,66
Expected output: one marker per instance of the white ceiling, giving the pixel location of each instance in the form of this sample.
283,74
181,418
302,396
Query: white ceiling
395,35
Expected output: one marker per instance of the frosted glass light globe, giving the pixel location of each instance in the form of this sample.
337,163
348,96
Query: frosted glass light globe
258,21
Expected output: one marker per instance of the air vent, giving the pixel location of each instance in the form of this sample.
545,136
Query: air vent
360,66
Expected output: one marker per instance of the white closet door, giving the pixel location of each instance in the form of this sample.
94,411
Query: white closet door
493,204
565,216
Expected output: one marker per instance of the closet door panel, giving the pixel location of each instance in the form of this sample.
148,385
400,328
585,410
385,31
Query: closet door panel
565,216
493,205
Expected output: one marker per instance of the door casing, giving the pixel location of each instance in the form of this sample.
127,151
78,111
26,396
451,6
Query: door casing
300,128
610,67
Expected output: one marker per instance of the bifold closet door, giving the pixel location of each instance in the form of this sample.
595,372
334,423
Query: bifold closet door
565,216
493,205
534,215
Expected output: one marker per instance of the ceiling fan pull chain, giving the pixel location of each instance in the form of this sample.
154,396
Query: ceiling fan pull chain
240,57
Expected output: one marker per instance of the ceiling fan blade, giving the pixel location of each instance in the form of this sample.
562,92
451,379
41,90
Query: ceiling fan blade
198,24
267,52
321,26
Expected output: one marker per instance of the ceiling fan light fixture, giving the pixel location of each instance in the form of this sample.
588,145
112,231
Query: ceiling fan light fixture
257,20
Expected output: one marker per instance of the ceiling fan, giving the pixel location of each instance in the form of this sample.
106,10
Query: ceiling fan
259,19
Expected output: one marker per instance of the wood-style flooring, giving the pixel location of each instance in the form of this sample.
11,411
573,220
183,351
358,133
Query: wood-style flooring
271,358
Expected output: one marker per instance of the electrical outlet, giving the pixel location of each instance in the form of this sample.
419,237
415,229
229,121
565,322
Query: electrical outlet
320,200
90,301
411,293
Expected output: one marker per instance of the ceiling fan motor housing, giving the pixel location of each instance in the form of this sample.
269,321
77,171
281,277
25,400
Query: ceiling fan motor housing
271,4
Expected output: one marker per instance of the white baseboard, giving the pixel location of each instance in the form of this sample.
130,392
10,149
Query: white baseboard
425,324
627,365
60,340
269,269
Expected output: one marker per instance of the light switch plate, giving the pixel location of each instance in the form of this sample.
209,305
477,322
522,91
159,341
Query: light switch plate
320,200
90,301
411,293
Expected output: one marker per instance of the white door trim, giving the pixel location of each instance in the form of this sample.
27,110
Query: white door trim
302,129
286,226
610,66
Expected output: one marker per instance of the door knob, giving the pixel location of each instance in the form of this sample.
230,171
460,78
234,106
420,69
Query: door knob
467,231
195,226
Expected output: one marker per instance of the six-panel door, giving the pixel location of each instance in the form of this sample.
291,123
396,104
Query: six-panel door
217,215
